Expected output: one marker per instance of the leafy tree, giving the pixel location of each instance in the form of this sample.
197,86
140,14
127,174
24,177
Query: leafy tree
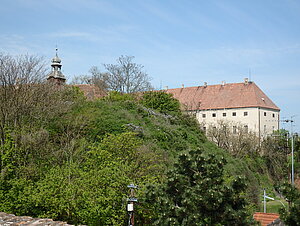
161,101
196,193
7,160
292,194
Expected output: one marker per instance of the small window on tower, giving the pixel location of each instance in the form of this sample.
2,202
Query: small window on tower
273,115
224,114
203,115
245,113
233,113
265,113
214,115
246,128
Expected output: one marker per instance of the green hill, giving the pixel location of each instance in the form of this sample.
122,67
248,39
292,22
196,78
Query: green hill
75,164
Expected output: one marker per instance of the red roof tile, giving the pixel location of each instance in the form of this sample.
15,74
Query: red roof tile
265,218
232,95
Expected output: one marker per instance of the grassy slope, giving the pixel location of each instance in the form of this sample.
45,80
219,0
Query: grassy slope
98,126
166,138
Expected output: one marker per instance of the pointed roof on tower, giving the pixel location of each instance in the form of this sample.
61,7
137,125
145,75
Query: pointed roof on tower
56,73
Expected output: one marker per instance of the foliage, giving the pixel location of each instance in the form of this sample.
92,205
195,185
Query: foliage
117,96
57,167
195,193
8,162
270,152
161,101
73,161
292,194
275,156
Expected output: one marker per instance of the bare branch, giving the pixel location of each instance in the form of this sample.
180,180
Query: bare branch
126,76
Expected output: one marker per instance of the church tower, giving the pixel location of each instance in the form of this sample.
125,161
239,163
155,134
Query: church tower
56,76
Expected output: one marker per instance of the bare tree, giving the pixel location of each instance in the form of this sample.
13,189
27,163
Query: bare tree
27,101
233,137
127,76
18,76
25,94
96,77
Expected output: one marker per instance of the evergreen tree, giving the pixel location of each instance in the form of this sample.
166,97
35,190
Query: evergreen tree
196,194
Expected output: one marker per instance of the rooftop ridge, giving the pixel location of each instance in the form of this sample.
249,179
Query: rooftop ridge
226,84
222,96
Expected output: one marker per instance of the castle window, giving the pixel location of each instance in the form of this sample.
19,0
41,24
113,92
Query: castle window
224,114
203,115
214,115
233,113
273,115
246,128
265,113
245,113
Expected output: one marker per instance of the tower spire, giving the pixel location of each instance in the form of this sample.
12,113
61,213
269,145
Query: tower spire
56,75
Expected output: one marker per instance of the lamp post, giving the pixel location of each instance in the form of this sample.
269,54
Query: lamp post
292,140
130,205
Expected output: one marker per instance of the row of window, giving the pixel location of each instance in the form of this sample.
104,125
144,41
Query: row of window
234,114
224,114
234,129
273,114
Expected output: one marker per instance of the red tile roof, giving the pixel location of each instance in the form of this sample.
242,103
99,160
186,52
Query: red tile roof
265,218
232,95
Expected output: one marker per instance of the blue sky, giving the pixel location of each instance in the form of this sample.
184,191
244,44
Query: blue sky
178,42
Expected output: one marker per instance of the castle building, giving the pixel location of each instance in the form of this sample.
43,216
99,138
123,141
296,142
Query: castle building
242,104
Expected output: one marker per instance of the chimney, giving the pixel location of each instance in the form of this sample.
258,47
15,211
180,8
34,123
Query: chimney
223,83
246,81
205,84
182,85
166,87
